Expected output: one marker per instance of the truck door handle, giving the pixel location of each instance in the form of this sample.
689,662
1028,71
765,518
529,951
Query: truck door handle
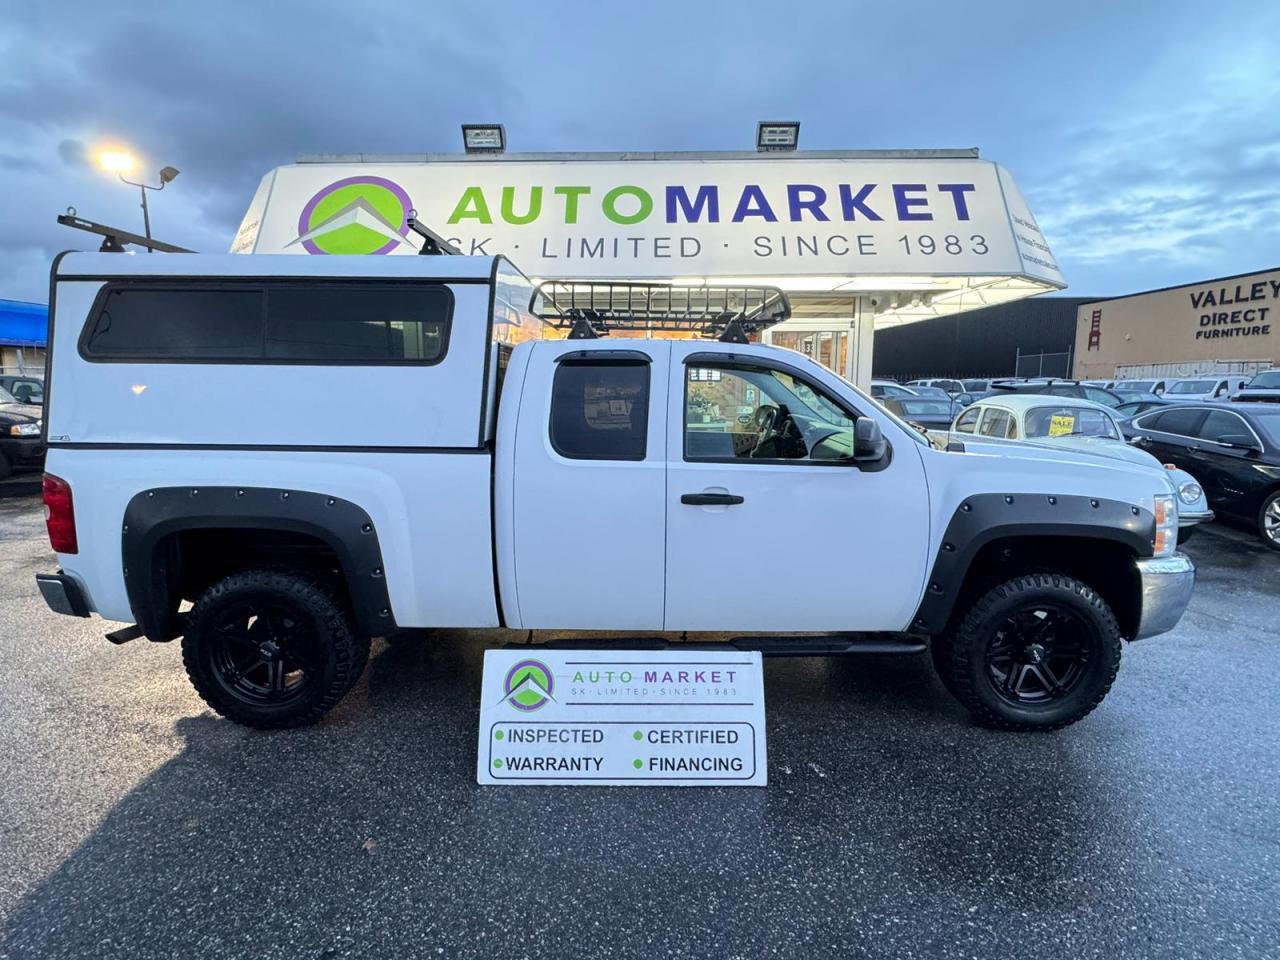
711,499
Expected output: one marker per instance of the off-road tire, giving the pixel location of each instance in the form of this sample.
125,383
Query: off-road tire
1262,521
964,668
341,652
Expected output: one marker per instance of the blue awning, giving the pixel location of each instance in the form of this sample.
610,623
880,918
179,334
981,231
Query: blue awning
23,324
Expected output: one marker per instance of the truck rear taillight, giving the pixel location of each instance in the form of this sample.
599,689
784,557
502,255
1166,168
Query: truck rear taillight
60,514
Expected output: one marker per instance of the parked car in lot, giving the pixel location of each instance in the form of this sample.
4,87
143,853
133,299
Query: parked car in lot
947,385
25,389
1201,389
1235,451
1136,403
1264,386
975,387
1056,388
1076,425
592,483
1157,387
932,413
890,388
20,445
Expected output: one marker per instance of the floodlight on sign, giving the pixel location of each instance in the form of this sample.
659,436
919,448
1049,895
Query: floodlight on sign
484,137
777,135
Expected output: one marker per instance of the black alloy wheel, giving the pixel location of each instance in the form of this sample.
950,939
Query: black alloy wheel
1036,652
265,651
271,649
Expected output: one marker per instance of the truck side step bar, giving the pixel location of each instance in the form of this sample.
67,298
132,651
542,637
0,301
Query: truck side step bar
799,645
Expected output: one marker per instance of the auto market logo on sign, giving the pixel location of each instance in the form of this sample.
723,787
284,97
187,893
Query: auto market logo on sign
529,685
356,215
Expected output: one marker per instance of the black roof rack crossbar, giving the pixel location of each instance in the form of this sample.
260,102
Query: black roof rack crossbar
433,245
114,239
590,309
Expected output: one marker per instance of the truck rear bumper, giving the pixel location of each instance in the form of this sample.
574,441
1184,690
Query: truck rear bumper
1166,591
62,594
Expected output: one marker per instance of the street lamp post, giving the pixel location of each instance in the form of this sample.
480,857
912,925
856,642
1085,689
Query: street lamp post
121,163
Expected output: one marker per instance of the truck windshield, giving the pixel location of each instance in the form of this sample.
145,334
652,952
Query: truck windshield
1069,421
1265,381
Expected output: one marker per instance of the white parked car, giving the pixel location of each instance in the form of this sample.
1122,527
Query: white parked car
1074,425
1157,387
1200,389
486,476
952,387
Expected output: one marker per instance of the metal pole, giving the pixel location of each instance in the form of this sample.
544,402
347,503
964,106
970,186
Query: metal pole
146,217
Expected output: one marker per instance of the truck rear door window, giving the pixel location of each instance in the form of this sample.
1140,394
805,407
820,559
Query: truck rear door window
600,411
256,321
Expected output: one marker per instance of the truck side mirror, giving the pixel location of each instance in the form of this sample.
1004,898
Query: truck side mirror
869,445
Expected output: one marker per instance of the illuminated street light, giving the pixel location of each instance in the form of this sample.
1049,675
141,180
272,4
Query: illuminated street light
116,161
121,162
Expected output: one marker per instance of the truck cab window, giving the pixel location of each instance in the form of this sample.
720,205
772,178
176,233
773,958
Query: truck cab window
600,411
752,413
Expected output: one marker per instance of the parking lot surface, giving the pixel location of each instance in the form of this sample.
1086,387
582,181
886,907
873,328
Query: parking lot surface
137,824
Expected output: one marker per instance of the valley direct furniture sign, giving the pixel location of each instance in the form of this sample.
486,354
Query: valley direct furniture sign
622,718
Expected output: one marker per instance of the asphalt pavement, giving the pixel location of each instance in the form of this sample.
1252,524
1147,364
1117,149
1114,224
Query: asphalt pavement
137,824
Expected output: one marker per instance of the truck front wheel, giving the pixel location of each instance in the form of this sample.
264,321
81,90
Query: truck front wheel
1037,652
271,649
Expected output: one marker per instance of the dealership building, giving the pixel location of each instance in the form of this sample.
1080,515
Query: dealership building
860,240
1227,325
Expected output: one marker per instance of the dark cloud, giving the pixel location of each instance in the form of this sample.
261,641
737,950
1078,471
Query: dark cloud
1140,132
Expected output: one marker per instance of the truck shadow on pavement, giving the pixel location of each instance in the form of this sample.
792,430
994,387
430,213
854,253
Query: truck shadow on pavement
368,835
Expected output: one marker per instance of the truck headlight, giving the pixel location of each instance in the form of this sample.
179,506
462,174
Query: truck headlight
1190,492
25,430
1166,525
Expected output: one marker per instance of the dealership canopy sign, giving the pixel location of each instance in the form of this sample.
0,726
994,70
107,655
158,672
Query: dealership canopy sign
667,218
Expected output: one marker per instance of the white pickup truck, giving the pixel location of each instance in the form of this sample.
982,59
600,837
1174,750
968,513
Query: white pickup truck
313,451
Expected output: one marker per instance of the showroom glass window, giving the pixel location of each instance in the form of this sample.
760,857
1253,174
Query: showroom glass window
600,410
753,414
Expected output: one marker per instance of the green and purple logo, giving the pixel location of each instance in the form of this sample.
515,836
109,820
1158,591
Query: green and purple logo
528,685
357,215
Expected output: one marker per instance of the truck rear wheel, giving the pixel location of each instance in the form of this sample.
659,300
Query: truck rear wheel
1037,652
271,649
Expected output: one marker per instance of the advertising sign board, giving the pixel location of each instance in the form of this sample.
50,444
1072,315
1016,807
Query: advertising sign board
622,718
666,218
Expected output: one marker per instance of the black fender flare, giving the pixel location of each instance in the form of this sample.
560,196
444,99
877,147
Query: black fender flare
985,518
153,515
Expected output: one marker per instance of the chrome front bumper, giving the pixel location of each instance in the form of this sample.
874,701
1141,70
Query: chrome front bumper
1166,591
1191,519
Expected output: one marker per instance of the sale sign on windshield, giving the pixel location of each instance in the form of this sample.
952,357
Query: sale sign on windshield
622,718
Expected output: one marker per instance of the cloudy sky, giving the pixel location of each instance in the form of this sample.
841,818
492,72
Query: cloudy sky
1146,136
